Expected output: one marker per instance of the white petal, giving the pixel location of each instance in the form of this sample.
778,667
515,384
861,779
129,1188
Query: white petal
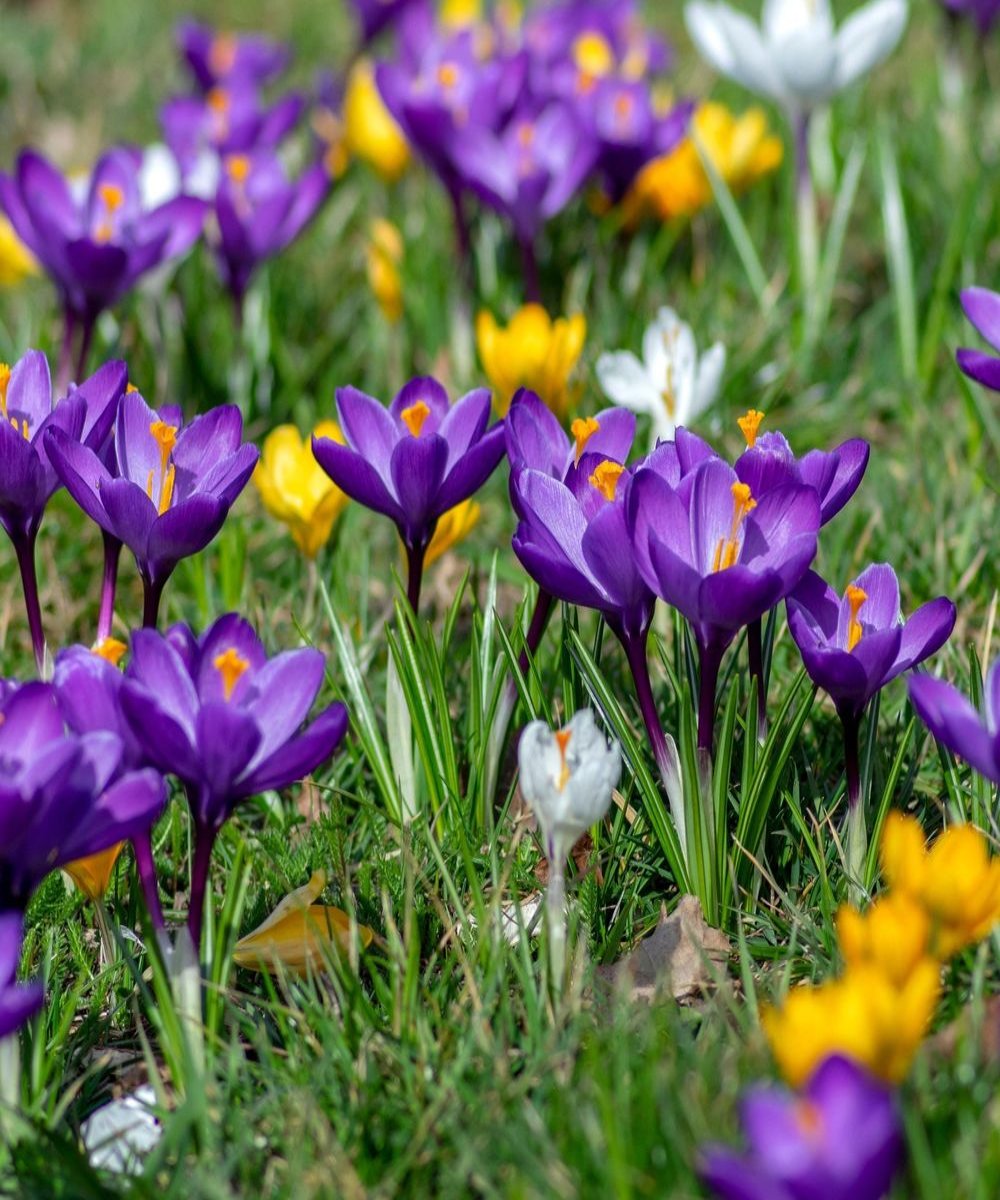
705,28
625,381
159,176
713,363
734,45
783,18
807,64
867,37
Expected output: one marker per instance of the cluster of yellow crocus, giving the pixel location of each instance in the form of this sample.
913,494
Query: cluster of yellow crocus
534,351
295,488
370,131
385,257
741,149
939,901
16,261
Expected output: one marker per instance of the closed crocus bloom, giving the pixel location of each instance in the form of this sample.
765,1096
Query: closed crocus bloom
454,527
93,875
16,260
894,936
534,351
795,56
300,936
982,307
956,882
385,256
671,383
840,1138
370,129
296,490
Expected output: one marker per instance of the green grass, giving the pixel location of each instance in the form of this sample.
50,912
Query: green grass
441,1066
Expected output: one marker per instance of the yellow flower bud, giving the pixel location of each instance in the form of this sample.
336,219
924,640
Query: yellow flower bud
370,131
92,875
295,488
533,351
385,255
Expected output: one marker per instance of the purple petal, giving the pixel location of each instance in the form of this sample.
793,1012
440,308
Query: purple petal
983,368
228,738
82,474
130,515
982,307
229,632
182,530
158,668
925,633
368,428
417,466
956,724
300,756
283,692
354,474
472,470
465,423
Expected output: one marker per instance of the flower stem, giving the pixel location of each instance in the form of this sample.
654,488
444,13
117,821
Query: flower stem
10,1089
710,659
805,203
555,916
529,270
142,848
851,726
151,594
109,583
204,840
414,574
65,354
755,652
85,340
463,243
857,826
25,550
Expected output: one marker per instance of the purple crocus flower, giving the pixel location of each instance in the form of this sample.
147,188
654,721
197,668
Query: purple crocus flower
18,1002
95,250
951,718
706,545
982,307
260,211
215,57
629,130
169,488
983,12
227,721
376,15
414,460
839,1139
852,646
27,478
556,31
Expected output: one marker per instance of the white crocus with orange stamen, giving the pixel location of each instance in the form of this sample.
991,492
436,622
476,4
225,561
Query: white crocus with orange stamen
670,384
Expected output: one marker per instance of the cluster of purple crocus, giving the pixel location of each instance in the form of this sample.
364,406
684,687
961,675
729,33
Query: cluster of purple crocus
522,118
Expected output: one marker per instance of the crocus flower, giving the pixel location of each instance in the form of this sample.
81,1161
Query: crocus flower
370,131
300,936
414,460
839,1139
567,777
227,721
706,545
260,212
671,383
796,56
16,260
983,12
169,488
631,131
376,15
533,351
216,57
957,725
28,412
384,258
982,307
296,490
536,439
18,1001
96,249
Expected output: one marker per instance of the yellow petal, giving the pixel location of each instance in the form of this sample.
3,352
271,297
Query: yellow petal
370,130
452,528
92,875
16,260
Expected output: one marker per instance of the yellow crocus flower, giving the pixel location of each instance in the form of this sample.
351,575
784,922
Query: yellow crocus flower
893,936
452,528
93,875
460,14
370,132
295,488
533,351
299,936
385,255
16,260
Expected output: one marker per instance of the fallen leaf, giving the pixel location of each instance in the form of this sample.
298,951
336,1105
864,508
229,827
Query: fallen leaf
681,957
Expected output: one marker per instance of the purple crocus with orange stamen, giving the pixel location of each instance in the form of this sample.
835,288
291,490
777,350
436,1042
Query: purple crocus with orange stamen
227,721
708,547
170,486
982,307
28,411
18,1001
260,211
95,250
629,131
216,57
840,1138
957,725
413,460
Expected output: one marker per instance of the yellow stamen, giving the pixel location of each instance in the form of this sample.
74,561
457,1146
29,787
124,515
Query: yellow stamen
25,431
218,100
749,423
166,436
130,387
4,384
585,83
112,196
583,429
222,54
238,168
526,133
808,1118
623,107
562,741
231,665
605,478
855,598
110,649
415,416
728,549
447,74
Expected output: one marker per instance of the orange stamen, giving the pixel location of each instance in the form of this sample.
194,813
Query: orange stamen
110,649
415,416
562,741
447,74
222,54
112,196
231,665
218,100
728,549
4,384
583,429
855,598
605,478
238,168
166,436
749,423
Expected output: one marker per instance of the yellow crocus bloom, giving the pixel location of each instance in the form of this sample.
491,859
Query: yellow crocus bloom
93,875
299,936
533,351
452,528
370,132
16,260
460,14
893,936
385,255
296,489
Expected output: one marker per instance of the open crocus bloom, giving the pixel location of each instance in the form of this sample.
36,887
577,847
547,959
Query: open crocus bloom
982,307
671,384
631,131
951,718
839,1139
852,646
296,489
795,56
534,351
216,57
537,441
170,487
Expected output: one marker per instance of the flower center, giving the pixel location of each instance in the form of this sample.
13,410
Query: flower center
4,384
112,198
166,436
110,649
623,107
238,168
447,74
749,423
562,741
415,416
218,105
583,429
222,54
231,665
728,549
592,55
808,1118
605,478
855,598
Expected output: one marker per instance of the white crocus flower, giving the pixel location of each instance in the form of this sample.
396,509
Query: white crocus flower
796,56
567,777
670,384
